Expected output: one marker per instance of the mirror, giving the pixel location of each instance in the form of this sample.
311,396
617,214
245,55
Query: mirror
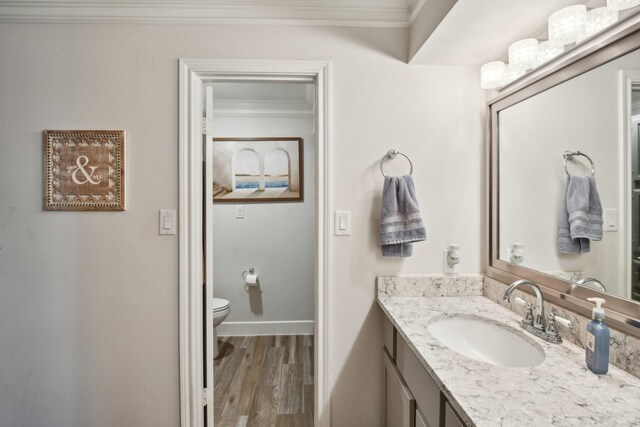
579,119
582,115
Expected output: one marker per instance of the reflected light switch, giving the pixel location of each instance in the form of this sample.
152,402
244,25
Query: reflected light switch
239,212
610,219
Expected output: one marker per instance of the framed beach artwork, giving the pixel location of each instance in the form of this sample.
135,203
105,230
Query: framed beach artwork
257,170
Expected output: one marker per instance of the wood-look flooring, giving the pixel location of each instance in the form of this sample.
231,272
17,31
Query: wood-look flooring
264,381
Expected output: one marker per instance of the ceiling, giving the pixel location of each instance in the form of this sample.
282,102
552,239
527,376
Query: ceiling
446,32
360,13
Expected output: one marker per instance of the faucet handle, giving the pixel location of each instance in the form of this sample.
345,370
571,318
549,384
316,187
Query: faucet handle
564,322
528,316
552,328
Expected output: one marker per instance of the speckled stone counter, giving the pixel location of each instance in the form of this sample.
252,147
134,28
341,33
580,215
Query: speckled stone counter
560,391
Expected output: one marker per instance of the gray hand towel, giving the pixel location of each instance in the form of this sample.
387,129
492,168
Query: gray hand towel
580,215
400,221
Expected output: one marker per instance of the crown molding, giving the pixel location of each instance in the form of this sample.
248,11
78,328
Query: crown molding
263,108
349,13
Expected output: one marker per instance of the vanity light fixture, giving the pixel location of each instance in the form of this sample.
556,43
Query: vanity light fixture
547,51
492,75
523,53
621,4
598,19
512,72
566,26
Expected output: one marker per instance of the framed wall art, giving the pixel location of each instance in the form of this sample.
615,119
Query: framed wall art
84,170
249,170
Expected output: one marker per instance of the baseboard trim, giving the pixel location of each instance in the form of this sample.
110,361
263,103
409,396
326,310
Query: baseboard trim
242,329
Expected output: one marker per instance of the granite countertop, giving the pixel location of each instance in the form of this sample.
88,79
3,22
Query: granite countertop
561,391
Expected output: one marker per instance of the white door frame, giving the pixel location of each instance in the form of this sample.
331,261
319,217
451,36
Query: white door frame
192,75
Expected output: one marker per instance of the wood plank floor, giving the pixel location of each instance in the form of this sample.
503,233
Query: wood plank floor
264,381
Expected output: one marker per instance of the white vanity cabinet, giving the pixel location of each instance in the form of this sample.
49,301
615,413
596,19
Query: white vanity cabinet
411,397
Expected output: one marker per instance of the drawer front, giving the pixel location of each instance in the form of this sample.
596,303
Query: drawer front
451,418
424,389
389,337
399,406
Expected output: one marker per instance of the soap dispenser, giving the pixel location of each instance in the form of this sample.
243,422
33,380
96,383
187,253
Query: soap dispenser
597,351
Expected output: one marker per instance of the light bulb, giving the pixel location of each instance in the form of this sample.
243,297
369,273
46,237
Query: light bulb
547,51
567,24
492,75
512,73
523,53
598,19
621,4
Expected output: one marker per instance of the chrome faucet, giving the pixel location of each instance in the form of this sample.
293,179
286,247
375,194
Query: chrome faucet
536,325
597,284
538,322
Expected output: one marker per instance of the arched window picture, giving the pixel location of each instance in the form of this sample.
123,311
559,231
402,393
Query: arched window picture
257,169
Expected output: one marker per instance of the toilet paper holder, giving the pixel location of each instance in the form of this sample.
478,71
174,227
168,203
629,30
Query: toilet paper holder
246,273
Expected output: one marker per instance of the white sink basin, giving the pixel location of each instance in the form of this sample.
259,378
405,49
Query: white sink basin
487,340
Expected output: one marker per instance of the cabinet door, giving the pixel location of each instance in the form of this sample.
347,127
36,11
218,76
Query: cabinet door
423,388
399,406
420,420
450,417
389,337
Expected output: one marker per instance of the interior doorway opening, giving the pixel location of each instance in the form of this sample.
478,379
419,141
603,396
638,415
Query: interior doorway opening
196,338
259,150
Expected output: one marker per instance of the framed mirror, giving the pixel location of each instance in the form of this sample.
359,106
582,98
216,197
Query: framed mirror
565,178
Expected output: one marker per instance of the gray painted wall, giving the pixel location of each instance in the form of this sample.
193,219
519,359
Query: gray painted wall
277,239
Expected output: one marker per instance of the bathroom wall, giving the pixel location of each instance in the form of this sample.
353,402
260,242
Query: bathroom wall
89,306
581,114
277,239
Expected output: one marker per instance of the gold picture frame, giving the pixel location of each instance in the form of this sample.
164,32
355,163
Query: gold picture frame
84,170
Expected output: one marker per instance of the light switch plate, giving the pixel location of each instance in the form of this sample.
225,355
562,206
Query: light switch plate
342,223
167,225
239,212
610,219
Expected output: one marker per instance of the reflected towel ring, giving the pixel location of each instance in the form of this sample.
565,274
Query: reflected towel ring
392,154
569,154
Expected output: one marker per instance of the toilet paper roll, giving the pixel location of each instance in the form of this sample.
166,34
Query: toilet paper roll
251,279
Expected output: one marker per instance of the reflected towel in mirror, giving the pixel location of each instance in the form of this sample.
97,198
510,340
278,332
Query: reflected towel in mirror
580,219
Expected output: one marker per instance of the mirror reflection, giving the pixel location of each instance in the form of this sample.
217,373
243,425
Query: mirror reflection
569,186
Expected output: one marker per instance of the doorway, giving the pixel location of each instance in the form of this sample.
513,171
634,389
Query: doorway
196,337
260,248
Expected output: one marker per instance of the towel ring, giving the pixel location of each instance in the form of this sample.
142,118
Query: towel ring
392,154
569,154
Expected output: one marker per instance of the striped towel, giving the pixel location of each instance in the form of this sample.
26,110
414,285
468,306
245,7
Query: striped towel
400,221
580,215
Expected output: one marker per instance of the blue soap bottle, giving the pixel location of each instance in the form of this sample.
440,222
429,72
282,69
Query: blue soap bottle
597,356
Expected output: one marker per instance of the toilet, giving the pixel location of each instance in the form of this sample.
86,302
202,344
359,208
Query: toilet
221,309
